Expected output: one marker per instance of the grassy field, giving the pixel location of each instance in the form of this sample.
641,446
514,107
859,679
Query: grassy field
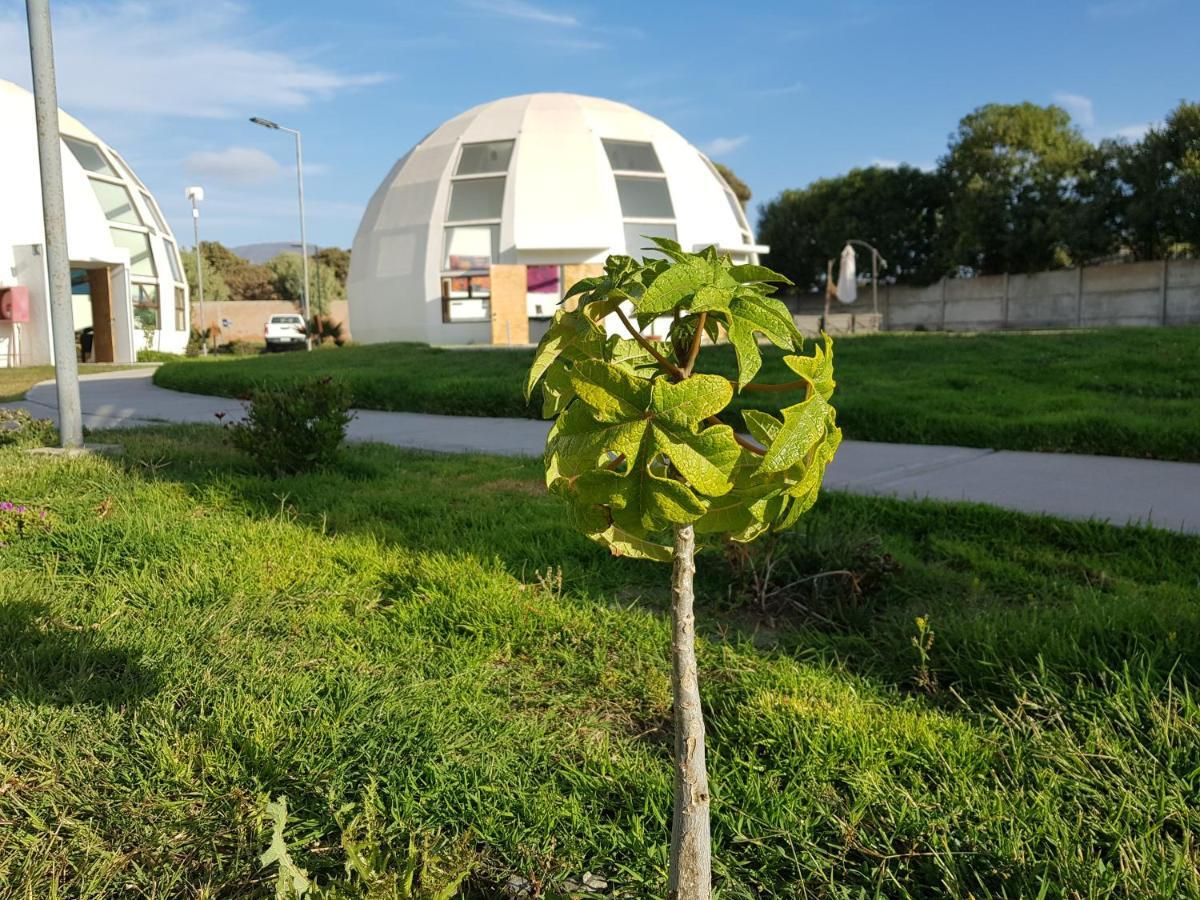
1120,392
16,382
383,646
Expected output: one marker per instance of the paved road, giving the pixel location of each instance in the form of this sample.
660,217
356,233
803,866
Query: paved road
1113,489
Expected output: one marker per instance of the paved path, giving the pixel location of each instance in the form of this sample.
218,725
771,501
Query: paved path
1118,490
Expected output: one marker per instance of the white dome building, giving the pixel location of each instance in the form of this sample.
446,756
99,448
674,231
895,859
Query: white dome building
476,231
127,282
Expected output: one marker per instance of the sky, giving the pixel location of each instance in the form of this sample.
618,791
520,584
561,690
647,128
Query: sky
782,92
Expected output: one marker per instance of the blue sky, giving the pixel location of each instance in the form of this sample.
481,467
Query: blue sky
783,92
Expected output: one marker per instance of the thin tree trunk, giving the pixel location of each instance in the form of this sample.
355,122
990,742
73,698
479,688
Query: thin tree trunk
691,849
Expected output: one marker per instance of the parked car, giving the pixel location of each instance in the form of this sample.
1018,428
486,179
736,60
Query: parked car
285,332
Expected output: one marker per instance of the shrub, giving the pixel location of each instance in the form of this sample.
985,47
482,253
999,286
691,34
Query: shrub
241,348
294,427
156,356
19,429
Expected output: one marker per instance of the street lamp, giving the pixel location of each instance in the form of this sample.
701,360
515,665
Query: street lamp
196,194
275,126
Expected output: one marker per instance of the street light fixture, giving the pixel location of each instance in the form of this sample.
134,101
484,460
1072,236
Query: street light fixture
196,194
275,126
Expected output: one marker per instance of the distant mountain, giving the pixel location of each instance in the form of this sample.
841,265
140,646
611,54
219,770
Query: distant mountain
260,253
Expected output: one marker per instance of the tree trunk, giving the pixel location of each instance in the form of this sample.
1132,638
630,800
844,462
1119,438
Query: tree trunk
691,849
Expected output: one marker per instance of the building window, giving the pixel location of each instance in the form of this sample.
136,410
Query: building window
637,236
155,212
630,156
644,195
141,260
116,202
90,156
470,247
475,198
543,290
644,198
173,260
180,308
145,304
466,298
477,159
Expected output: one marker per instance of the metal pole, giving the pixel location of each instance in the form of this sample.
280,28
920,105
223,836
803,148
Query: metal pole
58,266
303,238
875,280
199,275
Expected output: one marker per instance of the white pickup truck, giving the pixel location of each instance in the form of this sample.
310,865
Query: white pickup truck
285,332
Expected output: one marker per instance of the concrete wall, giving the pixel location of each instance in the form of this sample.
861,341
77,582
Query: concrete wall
1164,292
247,317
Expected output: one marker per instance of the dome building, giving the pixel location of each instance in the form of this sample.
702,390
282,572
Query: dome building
127,283
475,233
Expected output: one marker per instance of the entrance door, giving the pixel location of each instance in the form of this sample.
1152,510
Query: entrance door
103,341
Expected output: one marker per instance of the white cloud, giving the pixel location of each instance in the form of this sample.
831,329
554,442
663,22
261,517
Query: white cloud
795,88
170,58
1133,132
722,145
1080,107
882,163
518,9
242,165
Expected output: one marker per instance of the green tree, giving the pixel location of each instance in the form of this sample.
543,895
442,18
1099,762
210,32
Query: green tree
287,271
899,211
741,190
215,286
334,258
645,465
1010,170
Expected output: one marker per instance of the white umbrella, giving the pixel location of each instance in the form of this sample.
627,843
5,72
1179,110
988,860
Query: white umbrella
847,283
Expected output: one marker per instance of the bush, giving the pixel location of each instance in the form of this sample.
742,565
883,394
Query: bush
19,429
294,427
241,348
157,356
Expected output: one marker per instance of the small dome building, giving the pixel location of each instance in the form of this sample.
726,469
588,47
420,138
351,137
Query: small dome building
127,283
475,233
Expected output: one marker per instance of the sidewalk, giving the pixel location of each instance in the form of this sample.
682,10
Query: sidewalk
1114,489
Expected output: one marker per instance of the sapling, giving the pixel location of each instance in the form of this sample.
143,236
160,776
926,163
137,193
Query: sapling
647,467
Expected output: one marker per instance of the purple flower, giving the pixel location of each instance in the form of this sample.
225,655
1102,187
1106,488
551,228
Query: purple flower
20,509
6,505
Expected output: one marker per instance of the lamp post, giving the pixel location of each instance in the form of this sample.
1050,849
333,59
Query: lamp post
196,194
54,218
275,126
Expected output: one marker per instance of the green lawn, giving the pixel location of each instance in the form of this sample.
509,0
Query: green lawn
1120,392
377,644
16,382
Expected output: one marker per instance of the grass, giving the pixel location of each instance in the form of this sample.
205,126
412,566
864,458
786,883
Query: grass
377,644
16,382
1120,392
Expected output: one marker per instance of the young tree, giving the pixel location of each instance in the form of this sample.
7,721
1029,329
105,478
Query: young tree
323,286
638,452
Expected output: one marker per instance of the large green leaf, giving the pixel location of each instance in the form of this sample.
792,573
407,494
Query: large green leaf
804,426
817,369
569,333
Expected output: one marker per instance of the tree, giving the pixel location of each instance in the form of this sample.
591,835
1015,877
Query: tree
215,286
287,271
1010,170
334,258
645,465
741,190
899,211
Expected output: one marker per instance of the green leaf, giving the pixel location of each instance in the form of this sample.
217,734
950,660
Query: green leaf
763,427
804,426
711,299
578,443
673,286
613,393
750,273
751,313
568,330
291,881
817,369
691,401
557,391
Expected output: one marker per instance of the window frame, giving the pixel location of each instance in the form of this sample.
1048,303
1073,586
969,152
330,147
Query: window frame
446,280
491,173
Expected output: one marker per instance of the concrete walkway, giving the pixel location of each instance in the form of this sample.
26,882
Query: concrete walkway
1118,490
